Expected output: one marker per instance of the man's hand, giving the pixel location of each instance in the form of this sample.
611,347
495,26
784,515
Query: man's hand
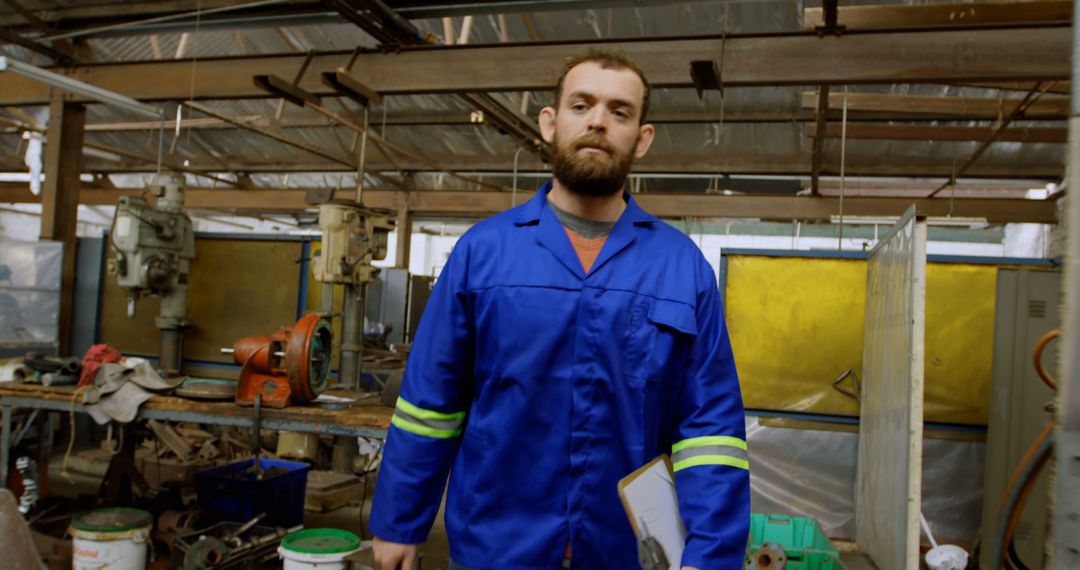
393,556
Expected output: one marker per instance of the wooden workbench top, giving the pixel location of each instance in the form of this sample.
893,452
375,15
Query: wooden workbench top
367,411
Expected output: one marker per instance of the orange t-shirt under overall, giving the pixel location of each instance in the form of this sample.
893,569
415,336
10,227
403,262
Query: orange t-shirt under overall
587,249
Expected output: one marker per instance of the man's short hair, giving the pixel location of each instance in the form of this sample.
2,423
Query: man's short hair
607,59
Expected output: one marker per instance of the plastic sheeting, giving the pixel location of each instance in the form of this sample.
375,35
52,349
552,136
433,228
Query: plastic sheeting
811,473
888,483
29,293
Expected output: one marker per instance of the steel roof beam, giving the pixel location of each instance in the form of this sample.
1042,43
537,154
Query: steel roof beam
668,205
1020,54
746,163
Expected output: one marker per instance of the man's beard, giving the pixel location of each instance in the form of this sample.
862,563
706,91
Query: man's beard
588,175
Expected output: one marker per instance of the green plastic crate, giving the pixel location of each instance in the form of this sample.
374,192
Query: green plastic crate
807,548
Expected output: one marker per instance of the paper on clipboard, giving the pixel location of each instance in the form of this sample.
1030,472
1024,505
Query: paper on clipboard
648,495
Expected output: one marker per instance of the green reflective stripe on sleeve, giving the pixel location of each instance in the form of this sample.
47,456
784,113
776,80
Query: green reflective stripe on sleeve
426,431
423,414
711,460
709,440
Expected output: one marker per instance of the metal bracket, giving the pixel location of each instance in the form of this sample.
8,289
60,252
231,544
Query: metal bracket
705,74
290,92
830,30
830,10
854,392
344,83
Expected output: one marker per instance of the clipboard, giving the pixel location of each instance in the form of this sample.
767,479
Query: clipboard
648,495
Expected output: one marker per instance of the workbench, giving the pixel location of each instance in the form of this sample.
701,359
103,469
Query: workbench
366,417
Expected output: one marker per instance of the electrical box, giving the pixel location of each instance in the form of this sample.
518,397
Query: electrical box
419,292
351,239
386,301
1027,308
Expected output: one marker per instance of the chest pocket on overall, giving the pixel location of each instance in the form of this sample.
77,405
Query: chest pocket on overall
657,350
660,333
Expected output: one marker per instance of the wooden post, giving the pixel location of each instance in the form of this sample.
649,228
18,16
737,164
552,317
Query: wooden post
60,199
404,238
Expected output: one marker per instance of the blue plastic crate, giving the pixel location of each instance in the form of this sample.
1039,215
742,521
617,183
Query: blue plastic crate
231,493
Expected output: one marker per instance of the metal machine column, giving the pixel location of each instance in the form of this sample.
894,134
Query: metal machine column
1066,505
352,238
352,335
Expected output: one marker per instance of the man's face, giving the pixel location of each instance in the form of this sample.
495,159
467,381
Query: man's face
596,133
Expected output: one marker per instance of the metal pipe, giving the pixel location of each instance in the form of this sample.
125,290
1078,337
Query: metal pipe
79,87
843,161
5,440
363,159
327,305
352,335
513,198
171,321
279,354
172,346
341,459
25,427
169,18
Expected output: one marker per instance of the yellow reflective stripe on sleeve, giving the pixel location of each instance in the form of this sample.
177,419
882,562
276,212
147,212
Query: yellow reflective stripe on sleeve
423,414
426,431
710,450
709,440
711,460
428,423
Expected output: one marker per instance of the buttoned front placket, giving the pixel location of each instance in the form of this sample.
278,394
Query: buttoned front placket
588,373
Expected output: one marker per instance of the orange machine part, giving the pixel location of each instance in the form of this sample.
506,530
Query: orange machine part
282,380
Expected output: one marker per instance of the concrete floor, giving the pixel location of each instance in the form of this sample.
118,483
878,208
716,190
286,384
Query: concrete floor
856,561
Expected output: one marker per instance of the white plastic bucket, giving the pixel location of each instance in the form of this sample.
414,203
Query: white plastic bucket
113,550
318,548
301,561
116,539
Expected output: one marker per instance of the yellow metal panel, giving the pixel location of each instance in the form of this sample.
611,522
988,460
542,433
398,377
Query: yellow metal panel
795,326
797,323
237,288
960,301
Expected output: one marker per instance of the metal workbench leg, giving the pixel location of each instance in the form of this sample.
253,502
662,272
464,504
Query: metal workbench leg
5,445
44,450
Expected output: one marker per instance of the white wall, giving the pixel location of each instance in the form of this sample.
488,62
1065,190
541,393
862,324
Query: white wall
26,226
429,252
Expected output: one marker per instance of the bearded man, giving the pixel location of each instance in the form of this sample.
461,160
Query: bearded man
567,342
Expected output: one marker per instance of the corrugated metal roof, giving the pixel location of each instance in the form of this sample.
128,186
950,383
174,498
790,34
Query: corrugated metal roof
780,143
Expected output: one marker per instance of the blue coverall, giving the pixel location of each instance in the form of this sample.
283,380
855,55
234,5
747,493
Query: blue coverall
543,386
